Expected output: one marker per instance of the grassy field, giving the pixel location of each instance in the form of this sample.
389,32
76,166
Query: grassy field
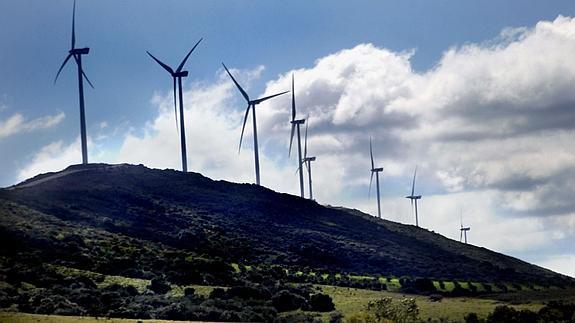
352,300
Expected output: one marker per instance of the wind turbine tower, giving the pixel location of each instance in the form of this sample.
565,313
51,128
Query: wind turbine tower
463,230
251,105
376,171
414,197
295,124
307,161
77,54
177,76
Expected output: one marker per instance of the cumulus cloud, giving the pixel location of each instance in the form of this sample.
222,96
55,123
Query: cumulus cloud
52,157
17,123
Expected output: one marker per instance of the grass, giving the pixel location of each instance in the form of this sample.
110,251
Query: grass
352,300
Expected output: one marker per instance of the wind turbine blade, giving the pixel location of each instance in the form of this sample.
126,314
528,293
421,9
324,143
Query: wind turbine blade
413,184
299,168
186,58
237,84
83,74
244,126
87,80
291,138
292,100
371,154
268,97
166,67
73,25
176,106
61,67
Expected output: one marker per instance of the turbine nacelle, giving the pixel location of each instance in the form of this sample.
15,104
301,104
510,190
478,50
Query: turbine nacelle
180,74
377,169
414,197
300,121
79,51
309,159
465,229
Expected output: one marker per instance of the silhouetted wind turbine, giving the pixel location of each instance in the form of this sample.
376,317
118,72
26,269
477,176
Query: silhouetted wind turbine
295,124
252,104
414,197
307,161
77,54
376,171
177,76
463,230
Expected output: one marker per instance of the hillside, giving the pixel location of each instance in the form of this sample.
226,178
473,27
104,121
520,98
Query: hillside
100,221
242,223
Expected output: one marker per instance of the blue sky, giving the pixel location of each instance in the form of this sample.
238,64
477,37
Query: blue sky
420,53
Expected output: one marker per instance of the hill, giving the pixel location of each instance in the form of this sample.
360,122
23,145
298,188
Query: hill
142,223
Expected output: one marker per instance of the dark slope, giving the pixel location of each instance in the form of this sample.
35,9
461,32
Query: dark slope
235,222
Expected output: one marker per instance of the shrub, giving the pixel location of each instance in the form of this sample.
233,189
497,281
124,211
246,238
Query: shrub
159,286
502,314
189,291
285,301
556,311
404,310
471,318
424,285
218,293
321,303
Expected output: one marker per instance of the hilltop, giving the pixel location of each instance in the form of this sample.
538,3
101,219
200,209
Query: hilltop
141,223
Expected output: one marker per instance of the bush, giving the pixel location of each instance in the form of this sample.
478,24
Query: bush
189,291
424,285
404,310
502,314
321,303
159,286
472,318
557,312
285,301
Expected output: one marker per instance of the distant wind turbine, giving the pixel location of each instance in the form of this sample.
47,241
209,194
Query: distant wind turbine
251,104
77,54
463,230
414,197
376,171
177,76
307,161
295,124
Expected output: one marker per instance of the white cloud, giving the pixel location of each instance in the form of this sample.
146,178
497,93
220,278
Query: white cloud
52,157
16,124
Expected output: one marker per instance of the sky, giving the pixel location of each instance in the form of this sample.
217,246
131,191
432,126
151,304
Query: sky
478,94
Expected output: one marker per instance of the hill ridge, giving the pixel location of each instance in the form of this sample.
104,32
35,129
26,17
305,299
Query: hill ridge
246,223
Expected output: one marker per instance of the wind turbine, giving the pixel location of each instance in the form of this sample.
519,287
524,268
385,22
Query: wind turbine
414,197
295,124
307,161
177,75
463,230
252,104
376,171
77,54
